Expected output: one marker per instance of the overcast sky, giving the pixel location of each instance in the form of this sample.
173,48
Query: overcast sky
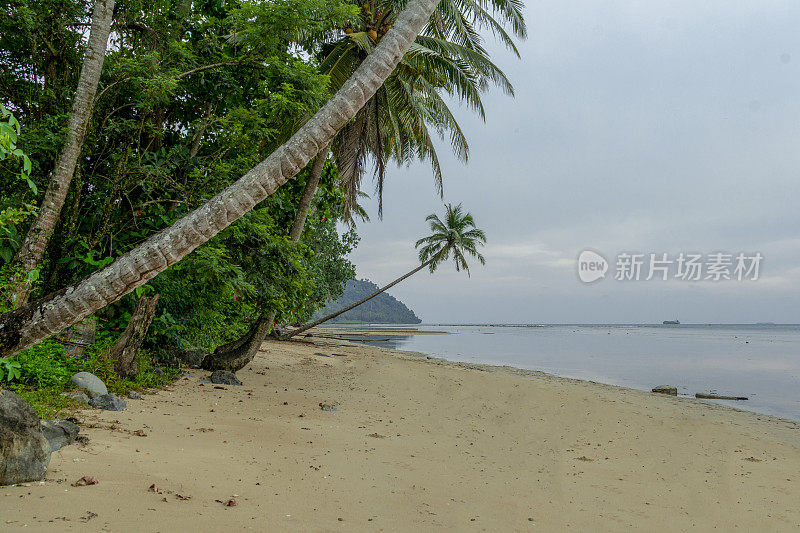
661,127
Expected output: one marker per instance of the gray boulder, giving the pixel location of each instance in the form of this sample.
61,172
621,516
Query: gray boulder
224,377
666,389
24,451
59,433
93,385
109,402
77,395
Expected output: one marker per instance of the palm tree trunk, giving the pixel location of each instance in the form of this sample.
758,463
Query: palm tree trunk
361,301
237,354
308,195
124,351
29,256
39,320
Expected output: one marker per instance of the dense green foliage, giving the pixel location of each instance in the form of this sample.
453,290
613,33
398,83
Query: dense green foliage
16,166
192,96
383,309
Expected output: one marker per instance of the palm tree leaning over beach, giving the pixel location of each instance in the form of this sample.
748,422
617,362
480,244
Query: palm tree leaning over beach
36,321
447,58
456,236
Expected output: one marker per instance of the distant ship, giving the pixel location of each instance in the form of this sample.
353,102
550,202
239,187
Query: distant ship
671,322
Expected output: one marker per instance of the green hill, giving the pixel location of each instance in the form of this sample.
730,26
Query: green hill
383,309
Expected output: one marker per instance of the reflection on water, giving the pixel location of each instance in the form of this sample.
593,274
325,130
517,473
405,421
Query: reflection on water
394,342
762,362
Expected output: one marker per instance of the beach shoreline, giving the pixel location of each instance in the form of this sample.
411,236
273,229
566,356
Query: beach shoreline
416,443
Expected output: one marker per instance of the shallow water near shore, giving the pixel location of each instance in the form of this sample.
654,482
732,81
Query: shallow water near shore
761,362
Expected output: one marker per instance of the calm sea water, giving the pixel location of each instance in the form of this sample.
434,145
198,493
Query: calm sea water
758,361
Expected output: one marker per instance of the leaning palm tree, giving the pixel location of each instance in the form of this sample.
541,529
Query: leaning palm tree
446,60
456,236
36,321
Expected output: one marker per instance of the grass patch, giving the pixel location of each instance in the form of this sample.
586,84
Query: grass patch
45,370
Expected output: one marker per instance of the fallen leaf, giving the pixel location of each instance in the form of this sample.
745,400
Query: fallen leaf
86,480
140,433
231,503
182,497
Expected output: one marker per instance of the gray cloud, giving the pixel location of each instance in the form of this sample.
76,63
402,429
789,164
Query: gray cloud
657,127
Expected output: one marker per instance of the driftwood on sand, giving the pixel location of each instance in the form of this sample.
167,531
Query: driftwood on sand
718,397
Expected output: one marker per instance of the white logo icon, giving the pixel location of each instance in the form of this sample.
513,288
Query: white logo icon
591,266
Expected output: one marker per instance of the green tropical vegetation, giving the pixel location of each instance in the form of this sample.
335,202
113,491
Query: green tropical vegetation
182,150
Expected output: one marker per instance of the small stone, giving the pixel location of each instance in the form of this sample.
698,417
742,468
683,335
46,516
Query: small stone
77,395
86,480
109,402
666,389
326,407
224,377
90,383
133,395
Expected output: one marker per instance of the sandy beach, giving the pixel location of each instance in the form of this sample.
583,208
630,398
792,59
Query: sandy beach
414,445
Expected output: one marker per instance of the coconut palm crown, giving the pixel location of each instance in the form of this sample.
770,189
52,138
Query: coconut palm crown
447,60
456,235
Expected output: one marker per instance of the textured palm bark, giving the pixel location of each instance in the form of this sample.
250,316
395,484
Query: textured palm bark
123,353
232,356
308,195
353,306
39,320
29,256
